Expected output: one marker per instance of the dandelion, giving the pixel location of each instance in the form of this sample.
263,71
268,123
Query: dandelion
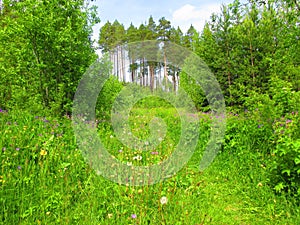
109,215
160,139
111,136
43,152
163,200
133,216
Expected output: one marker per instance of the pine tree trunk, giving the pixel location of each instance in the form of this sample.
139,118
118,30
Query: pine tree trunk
151,68
123,64
174,82
165,71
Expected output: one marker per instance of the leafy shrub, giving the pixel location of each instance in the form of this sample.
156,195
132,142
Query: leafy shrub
286,155
107,96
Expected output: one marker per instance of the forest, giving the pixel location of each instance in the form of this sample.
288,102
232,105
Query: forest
77,126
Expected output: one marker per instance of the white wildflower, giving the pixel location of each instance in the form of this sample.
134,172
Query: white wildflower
138,158
163,200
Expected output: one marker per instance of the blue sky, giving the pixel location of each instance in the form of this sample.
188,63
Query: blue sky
181,13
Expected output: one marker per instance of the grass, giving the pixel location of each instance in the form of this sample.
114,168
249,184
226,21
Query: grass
45,180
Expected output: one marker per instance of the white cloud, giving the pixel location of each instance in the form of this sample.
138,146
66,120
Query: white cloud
189,14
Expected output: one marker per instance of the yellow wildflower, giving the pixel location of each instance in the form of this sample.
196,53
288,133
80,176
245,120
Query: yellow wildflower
43,152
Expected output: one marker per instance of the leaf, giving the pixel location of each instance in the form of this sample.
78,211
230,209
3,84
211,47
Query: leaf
286,171
279,187
297,161
65,165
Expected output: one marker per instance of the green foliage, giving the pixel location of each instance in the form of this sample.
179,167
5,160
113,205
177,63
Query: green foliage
286,155
107,96
280,100
278,112
194,90
45,180
253,51
45,49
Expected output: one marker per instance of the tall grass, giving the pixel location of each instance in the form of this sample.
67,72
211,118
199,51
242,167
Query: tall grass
45,180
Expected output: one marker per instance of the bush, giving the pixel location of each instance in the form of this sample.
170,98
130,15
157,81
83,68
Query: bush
286,156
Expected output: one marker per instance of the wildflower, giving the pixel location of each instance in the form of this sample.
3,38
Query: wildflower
140,191
17,149
43,152
19,167
120,151
138,158
154,153
111,136
129,163
133,216
109,215
288,121
160,139
163,200
3,149
260,125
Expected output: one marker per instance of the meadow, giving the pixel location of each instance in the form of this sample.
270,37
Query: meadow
45,180
246,58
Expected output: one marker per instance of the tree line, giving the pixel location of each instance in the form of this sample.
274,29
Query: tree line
114,36
252,48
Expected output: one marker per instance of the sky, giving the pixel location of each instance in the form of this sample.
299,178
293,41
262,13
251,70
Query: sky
181,13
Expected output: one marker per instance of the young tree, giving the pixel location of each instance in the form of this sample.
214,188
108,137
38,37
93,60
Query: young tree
45,48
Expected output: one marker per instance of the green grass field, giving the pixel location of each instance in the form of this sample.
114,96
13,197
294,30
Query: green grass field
45,180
